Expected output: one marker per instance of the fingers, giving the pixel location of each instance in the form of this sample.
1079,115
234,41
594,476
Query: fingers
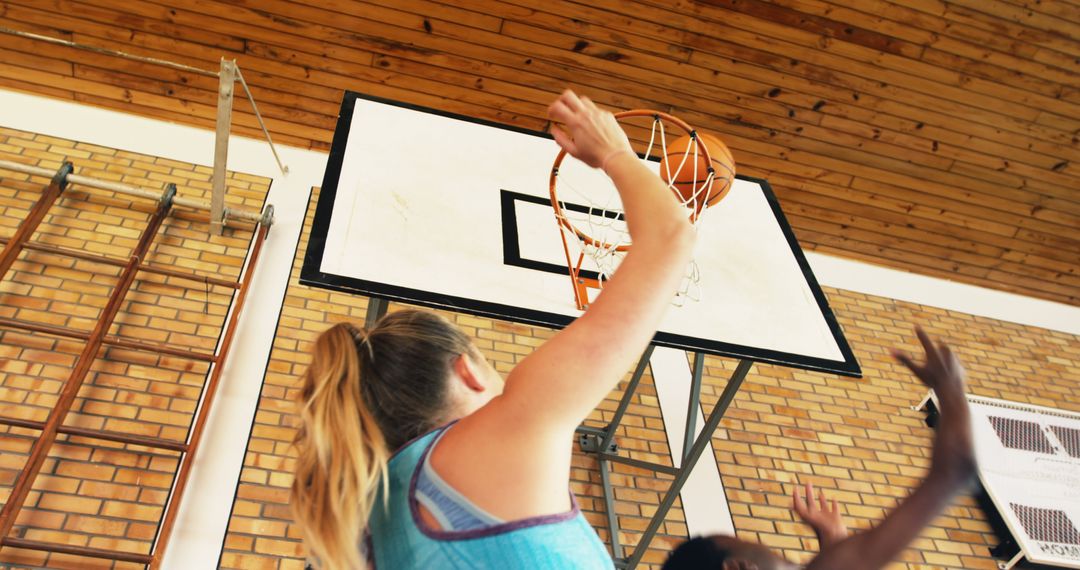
564,140
823,504
567,105
560,111
928,345
932,351
950,358
573,102
797,503
906,360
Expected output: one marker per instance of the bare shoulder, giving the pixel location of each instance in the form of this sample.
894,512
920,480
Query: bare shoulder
499,466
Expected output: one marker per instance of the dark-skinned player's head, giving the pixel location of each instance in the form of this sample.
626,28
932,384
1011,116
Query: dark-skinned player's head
723,553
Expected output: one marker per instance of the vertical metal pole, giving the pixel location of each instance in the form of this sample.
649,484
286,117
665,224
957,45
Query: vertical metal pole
376,308
40,449
700,444
609,506
695,401
180,484
33,218
226,83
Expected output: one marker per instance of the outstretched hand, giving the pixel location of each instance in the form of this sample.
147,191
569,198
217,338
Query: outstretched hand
954,453
942,370
824,518
953,465
587,132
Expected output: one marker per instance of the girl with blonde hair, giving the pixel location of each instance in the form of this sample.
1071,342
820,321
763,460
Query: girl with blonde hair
413,452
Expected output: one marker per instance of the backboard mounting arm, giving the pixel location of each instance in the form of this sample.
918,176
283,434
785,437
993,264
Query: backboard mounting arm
601,443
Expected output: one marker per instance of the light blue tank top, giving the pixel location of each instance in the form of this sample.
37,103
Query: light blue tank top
446,505
399,540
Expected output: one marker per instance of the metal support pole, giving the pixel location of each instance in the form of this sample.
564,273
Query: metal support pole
699,446
376,308
70,391
33,218
180,482
226,84
694,405
224,117
233,213
616,458
609,506
106,51
628,396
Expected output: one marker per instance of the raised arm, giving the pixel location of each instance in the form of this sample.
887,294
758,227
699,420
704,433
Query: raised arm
513,455
953,466
561,382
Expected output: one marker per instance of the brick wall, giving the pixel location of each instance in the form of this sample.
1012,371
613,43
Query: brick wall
90,492
858,439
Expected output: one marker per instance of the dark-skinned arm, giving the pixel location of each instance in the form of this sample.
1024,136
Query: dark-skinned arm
952,467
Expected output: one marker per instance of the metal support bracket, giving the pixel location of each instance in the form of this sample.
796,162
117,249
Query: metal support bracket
1012,562
600,442
167,196
267,218
61,176
591,443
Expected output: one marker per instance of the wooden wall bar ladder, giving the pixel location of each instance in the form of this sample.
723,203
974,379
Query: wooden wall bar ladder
95,339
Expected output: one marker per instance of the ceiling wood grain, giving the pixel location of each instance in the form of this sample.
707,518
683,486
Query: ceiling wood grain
937,137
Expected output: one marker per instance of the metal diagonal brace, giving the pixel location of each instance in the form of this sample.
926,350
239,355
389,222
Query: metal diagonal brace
695,403
700,443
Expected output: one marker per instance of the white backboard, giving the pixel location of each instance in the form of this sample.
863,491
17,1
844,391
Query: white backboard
454,213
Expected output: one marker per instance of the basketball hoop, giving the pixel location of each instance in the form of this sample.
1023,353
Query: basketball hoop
590,217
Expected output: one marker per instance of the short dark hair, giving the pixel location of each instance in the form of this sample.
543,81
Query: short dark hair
700,553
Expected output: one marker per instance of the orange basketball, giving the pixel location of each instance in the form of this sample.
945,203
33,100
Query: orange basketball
684,181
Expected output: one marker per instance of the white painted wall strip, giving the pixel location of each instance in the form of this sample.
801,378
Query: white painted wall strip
204,515
904,286
703,500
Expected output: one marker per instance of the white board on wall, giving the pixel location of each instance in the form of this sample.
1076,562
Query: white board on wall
1029,465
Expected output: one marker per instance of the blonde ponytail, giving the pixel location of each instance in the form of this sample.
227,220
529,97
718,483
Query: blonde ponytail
342,454
365,395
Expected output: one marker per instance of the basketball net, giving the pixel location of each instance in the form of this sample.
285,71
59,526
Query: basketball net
590,215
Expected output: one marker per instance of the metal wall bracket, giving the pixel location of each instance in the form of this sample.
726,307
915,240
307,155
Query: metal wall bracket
167,196
1005,549
591,442
267,218
61,176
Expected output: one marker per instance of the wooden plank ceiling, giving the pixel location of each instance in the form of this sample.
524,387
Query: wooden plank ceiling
936,137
